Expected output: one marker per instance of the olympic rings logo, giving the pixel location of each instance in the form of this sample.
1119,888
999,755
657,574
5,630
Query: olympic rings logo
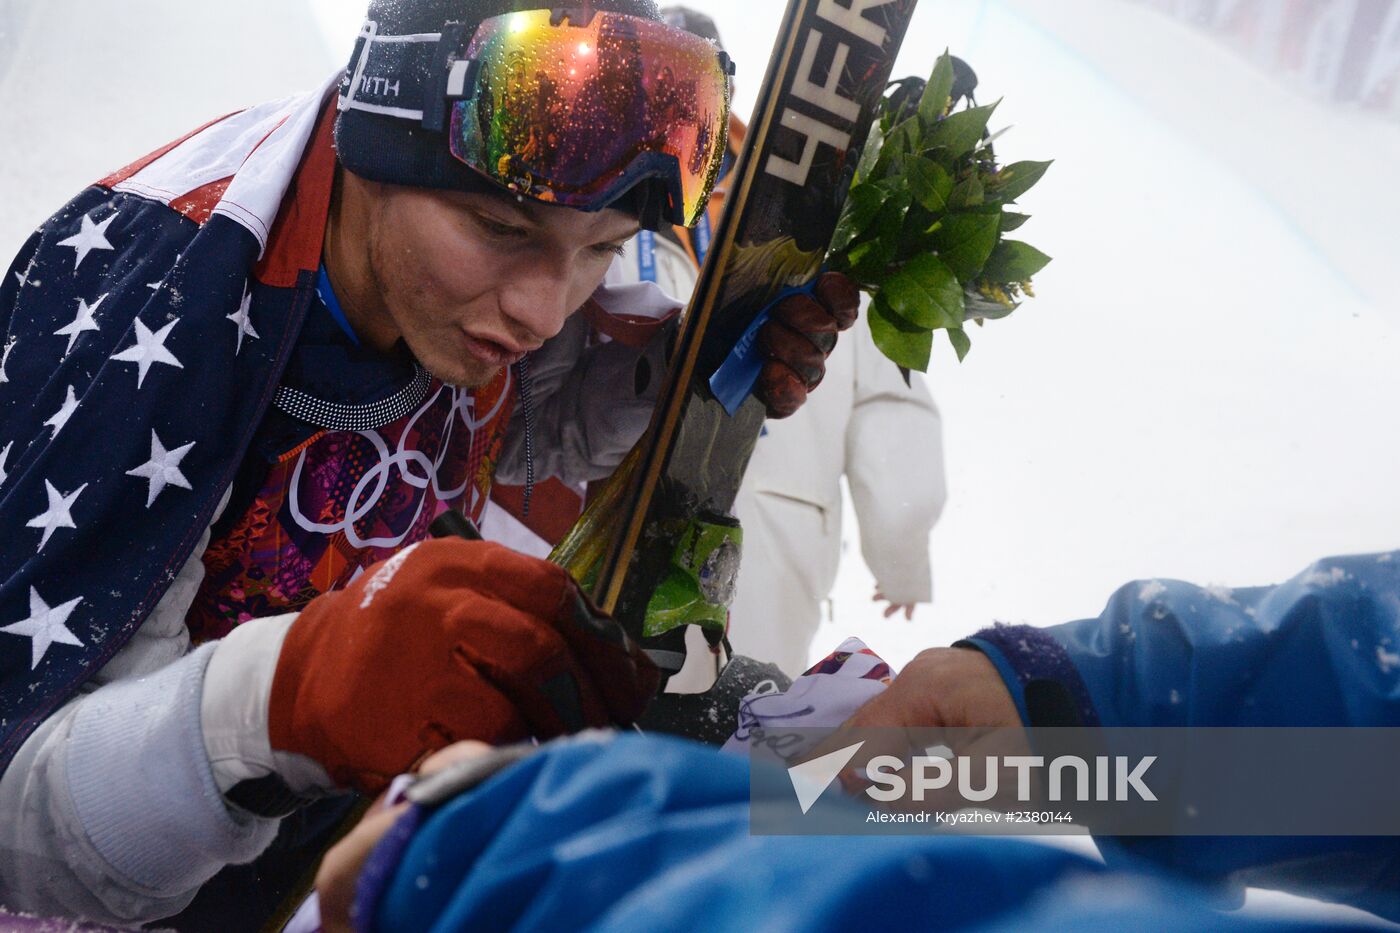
411,466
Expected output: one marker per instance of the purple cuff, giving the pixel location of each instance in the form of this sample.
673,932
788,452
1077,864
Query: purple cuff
379,869
1038,672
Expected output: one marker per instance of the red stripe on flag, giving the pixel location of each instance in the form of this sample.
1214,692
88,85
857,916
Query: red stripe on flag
199,204
294,245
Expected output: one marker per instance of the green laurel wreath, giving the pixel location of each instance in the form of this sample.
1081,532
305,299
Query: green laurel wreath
922,231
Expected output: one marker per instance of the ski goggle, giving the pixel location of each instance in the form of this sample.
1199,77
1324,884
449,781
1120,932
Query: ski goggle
579,113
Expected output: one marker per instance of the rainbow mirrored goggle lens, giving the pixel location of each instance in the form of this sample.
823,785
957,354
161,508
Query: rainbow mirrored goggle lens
578,114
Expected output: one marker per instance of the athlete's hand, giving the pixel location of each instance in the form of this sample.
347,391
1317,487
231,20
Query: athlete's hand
799,336
941,689
448,640
340,869
952,688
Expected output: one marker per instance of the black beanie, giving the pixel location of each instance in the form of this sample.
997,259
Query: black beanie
401,150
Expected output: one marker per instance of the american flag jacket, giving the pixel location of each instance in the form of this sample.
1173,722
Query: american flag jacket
146,326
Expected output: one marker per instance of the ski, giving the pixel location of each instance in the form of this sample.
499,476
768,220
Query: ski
665,509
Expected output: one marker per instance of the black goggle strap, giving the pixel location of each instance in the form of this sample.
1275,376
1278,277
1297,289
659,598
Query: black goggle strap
451,76
419,76
412,77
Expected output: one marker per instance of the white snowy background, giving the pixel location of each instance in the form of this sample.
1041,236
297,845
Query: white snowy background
1207,388
1204,389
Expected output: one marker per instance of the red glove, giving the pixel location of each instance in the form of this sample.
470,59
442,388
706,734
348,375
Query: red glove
448,640
799,336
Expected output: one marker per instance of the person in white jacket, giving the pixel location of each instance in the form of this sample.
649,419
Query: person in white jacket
885,437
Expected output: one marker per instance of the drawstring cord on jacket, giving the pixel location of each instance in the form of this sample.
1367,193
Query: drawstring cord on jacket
527,409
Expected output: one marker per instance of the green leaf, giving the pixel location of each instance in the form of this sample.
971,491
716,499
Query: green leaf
961,341
940,85
868,156
925,293
862,205
896,204
1017,178
928,182
966,193
907,345
870,260
880,241
899,142
964,241
1010,220
960,132
1014,261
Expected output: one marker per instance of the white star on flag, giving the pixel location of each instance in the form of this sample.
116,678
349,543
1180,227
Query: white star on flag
148,350
163,469
84,321
5,456
65,411
243,318
92,236
45,626
59,514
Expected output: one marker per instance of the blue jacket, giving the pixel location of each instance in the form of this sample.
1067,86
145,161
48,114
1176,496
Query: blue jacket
1322,649
646,833
643,833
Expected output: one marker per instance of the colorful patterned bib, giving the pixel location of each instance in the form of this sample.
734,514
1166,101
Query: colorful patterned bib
342,500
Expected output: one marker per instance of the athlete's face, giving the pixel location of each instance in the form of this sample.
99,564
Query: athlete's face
472,282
